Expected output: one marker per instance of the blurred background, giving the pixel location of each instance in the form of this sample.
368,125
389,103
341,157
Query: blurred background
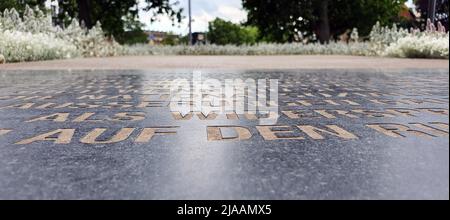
166,22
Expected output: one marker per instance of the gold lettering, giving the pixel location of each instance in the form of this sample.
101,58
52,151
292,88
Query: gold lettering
4,131
432,130
346,113
57,117
92,137
325,114
92,97
305,103
315,133
350,102
123,97
151,104
250,116
215,133
372,113
441,125
210,116
85,117
271,133
342,94
148,133
436,111
403,112
178,116
331,102
397,130
120,105
129,116
44,106
232,116
19,106
64,136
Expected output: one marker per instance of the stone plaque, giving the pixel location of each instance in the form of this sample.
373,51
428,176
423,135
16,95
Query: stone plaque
331,134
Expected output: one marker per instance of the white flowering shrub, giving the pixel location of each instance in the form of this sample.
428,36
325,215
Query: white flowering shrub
34,37
334,48
398,42
420,47
384,41
92,43
382,37
354,35
18,46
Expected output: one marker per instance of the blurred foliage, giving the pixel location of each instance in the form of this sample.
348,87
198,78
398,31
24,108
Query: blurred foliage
20,5
118,18
224,32
291,20
136,36
171,39
442,10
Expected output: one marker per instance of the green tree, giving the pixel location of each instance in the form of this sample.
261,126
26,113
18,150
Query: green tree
134,37
287,20
224,32
171,39
442,11
117,17
20,5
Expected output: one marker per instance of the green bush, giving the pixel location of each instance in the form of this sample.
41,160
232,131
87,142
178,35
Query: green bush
224,33
133,37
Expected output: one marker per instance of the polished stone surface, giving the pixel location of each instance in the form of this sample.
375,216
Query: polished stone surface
393,142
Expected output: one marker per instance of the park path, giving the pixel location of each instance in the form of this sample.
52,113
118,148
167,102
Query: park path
232,62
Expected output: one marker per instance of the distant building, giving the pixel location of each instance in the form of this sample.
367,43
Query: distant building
158,37
408,13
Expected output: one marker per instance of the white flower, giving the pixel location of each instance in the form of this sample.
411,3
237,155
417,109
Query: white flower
33,37
426,46
2,59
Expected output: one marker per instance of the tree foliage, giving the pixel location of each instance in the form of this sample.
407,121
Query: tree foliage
290,20
442,11
20,5
224,32
116,17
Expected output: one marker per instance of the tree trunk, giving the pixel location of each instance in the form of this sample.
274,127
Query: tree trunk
84,12
324,25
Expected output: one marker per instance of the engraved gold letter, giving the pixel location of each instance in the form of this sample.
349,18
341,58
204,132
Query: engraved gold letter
91,138
314,132
64,137
215,133
148,133
57,117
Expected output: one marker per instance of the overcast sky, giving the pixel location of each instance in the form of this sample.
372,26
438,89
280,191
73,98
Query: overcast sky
203,11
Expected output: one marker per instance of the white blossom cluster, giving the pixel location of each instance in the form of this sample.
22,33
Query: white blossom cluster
384,41
398,42
17,46
33,37
333,48
425,46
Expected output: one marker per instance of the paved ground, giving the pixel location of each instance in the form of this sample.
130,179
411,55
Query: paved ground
234,62
341,134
